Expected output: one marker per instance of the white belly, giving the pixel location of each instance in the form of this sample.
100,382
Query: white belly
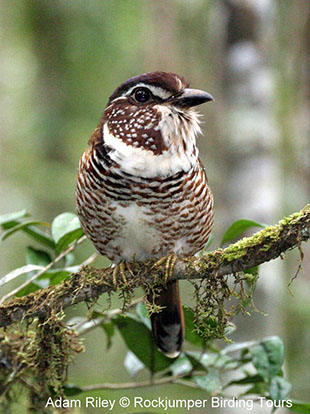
137,239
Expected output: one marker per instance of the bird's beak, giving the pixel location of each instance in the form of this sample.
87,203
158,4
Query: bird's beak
192,97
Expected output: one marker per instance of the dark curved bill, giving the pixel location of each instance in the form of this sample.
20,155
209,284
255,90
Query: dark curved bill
192,97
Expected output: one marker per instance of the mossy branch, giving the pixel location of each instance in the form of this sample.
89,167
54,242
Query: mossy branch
88,284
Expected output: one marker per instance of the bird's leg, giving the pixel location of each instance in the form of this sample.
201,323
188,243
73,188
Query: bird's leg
115,276
169,265
120,269
129,268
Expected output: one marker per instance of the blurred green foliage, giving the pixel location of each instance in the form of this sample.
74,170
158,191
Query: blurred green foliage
61,59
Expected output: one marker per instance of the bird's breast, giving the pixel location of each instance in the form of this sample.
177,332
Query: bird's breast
129,217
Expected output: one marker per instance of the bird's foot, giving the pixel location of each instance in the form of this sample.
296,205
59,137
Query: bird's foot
169,262
120,270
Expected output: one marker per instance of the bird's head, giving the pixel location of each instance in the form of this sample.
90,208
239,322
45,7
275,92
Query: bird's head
158,88
149,121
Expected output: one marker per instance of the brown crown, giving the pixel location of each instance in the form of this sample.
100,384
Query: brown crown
166,80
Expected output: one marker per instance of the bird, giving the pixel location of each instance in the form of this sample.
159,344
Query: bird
142,191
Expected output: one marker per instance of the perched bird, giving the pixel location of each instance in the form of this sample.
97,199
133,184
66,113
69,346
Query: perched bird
142,191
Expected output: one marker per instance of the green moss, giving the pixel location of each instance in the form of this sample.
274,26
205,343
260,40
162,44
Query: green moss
213,293
37,357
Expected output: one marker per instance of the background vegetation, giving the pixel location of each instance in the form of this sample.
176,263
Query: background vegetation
60,60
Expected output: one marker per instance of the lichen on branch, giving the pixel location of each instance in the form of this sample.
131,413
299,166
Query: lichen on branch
88,284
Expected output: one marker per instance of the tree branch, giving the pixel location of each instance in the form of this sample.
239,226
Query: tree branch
129,385
89,283
178,379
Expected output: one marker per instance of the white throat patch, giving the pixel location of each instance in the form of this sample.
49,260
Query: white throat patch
180,139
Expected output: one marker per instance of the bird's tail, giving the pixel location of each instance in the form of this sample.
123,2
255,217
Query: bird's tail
168,324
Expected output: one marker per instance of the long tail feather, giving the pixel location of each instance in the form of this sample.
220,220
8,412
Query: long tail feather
168,324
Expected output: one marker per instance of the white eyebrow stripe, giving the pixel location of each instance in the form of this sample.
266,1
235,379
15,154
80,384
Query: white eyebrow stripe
156,90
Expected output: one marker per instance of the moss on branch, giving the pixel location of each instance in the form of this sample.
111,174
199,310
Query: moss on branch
88,284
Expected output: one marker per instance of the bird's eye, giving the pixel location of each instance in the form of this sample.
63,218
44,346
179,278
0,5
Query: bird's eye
142,95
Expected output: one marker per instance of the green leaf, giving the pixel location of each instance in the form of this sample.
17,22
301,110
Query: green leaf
9,220
190,333
249,379
300,407
267,357
259,388
108,328
40,258
69,259
71,389
68,239
13,220
201,361
50,278
21,226
96,314
241,346
37,257
143,314
66,228
55,276
237,228
225,362
181,366
279,388
197,365
32,287
132,364
210,383
40,236
139,340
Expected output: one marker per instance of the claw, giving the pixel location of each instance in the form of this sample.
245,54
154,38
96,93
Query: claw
115,276
120,269
169,265
128,266
173,259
